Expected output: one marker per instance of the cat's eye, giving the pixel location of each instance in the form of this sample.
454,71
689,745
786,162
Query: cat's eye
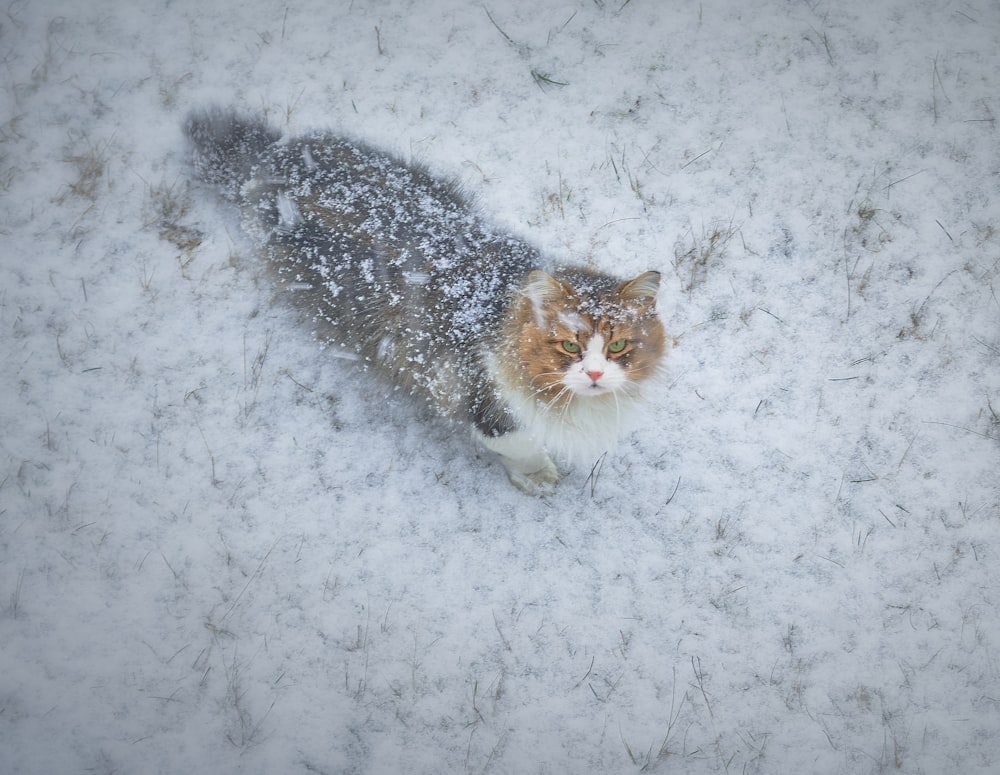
617,346
573,348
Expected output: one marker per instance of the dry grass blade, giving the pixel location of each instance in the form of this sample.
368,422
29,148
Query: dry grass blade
595,474
692,264
500,29
542,80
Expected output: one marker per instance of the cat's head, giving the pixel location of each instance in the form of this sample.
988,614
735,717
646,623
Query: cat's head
582,335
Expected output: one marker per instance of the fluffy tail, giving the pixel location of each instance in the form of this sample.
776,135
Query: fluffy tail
227,147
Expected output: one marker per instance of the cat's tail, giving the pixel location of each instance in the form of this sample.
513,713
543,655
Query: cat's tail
228,147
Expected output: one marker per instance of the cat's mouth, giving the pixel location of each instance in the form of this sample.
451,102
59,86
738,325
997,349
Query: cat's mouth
593,389
597,384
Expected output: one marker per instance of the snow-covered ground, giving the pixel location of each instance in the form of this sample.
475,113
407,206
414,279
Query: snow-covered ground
222,549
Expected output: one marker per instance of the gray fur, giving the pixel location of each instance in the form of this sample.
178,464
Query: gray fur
394,264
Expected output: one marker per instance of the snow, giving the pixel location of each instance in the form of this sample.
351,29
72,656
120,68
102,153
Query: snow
224,549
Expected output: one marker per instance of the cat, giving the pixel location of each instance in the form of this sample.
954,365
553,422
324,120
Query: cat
399,269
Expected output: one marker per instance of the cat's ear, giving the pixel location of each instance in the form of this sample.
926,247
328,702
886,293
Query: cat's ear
542,288
643,288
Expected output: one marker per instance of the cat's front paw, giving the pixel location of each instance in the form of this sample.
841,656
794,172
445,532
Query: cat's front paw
540,482
528,466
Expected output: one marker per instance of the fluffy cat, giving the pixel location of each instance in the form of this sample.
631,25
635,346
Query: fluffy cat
398,268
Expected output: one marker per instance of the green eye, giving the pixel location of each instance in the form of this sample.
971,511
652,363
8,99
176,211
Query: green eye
573,348
617,346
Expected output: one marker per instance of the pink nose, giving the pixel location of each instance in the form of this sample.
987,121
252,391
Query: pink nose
595,375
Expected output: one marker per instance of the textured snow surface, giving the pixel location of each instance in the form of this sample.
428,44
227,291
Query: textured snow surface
223,549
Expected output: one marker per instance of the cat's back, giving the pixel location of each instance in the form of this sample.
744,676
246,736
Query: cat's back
392,263
343,216
332,205
348,184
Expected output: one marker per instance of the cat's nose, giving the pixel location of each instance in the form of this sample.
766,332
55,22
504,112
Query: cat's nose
595,375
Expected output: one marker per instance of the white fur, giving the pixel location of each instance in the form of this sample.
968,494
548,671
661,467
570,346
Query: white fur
579,429
528,466
288,212
593,361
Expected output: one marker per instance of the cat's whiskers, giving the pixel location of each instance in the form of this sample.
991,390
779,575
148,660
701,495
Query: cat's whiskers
568,403
555,378
556,400
563,398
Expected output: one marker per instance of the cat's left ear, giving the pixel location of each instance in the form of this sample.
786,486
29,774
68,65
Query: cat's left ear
643,288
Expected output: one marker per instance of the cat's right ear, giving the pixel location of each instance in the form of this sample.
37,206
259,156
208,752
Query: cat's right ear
542,287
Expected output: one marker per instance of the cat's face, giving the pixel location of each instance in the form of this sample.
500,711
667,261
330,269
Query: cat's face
583,335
